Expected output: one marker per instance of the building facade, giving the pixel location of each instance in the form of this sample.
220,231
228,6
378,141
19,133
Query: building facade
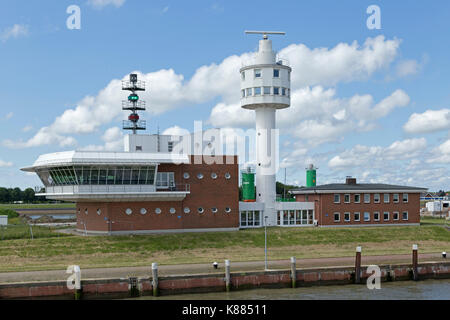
353,204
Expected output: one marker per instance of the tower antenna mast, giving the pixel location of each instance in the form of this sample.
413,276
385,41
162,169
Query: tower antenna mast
133,104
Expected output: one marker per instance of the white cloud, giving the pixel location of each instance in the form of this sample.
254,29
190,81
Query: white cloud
113,138
165,9
175,131
9,115
27,128
441,154
407,67
16,31
99,4
5,164
376,156
429,121
343,63
168,90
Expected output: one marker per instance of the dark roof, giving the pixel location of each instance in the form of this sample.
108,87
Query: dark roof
358,186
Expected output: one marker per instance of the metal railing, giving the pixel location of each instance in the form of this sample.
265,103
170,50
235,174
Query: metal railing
138,105
139,125
136,86
93,189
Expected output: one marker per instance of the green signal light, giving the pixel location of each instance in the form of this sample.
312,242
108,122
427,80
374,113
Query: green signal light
133,97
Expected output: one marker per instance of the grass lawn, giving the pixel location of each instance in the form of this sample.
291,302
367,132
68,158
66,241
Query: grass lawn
434,221
37,206
244,245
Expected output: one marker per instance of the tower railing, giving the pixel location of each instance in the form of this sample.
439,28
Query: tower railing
133,86
138,105
130,125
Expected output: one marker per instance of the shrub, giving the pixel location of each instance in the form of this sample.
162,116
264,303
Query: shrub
8,212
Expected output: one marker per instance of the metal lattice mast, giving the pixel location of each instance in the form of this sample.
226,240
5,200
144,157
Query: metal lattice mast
133,104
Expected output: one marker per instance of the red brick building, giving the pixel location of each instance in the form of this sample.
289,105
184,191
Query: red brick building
123,192
355,204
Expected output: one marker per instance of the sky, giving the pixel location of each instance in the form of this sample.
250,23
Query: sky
373,103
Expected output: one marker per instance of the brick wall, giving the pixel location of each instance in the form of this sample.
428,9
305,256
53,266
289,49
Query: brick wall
206,193
325,209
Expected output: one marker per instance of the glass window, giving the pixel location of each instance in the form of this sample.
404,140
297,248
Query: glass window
250,218
347,198
376,216
126,175
276,73
366,216
257,73
249,92
110,176
243,218
347,216
376,198
257,91
357,198
357,216
243,93
292,217
337,198
276,91
367,198
298,217
278,217
395,198
395,215
385,216
285,218
405,197
243,75
102,177
201,210
143,211
405,215
266,90
170,146
337,217
283,91
257,218
386,198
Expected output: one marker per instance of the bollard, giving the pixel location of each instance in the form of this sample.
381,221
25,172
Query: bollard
414,262
155,279
358,265
444,255
293,272
227,276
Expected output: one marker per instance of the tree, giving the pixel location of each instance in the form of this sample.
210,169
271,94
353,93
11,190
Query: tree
4,195
28,195
16,195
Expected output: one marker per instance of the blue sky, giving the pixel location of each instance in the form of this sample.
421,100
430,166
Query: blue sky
374,104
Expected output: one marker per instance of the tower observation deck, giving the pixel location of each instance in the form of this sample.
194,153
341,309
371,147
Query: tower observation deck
265,87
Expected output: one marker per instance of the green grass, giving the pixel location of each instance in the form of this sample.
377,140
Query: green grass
37,206
426,220
245,245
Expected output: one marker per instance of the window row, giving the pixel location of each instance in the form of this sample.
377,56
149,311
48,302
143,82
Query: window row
200,176
295,217
367,216
87,175
356,198
257,91
257,73
144,211
250,218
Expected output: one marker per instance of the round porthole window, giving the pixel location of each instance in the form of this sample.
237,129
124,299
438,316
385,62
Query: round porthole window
172,211
128,211
99,211
200,176
201,210
187,210
143,211
158,211
214,175
227,176
227,210
214,210
186,175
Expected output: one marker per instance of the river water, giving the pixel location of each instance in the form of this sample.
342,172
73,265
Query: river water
400,290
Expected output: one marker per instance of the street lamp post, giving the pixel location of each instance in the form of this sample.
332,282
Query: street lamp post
265,243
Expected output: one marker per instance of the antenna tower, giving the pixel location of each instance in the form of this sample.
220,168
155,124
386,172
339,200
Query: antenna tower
134,104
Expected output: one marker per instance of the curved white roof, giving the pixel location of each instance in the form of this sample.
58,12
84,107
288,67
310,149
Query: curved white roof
104,158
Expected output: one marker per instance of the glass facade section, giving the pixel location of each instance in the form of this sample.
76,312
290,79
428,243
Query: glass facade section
98,175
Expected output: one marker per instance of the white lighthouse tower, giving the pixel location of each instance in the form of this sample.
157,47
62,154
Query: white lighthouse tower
265,87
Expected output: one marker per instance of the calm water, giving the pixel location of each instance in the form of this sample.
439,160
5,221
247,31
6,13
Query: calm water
422,290
56,216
